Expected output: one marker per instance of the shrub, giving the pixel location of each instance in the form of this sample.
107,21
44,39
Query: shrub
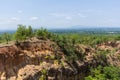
104,73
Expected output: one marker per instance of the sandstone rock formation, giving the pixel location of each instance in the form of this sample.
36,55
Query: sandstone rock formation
31,60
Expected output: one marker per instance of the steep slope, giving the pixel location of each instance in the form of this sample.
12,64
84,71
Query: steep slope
35,59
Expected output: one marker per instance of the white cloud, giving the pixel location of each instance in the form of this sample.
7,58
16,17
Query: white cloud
15,19
20,11
88,10
57,14
33,18
10,20
81,15
61,15
68,17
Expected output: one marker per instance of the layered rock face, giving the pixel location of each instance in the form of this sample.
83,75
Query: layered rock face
113,49
32,60
25,61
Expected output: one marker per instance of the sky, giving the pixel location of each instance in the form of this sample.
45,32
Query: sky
59,13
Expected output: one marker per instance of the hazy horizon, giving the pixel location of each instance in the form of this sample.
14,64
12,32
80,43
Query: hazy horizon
59,13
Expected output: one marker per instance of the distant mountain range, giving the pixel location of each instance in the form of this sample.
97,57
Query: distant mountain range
83,26
90,29
80,29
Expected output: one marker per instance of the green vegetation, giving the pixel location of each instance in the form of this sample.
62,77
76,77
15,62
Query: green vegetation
6,37
91,39
44,74
104,73
67,43
42,33
23,33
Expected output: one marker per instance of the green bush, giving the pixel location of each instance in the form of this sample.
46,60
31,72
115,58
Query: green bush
104,73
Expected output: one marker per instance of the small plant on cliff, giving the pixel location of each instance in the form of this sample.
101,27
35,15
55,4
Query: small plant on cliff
62,63
52,57
56,62
43,76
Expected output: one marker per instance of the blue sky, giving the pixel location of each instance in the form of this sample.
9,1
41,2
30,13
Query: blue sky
59,13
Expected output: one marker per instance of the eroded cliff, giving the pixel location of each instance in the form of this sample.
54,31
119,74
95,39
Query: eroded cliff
34,59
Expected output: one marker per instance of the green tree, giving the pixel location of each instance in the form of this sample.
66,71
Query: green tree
104,73
6,37
1,39
21,33
29,32
42,33
112,73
